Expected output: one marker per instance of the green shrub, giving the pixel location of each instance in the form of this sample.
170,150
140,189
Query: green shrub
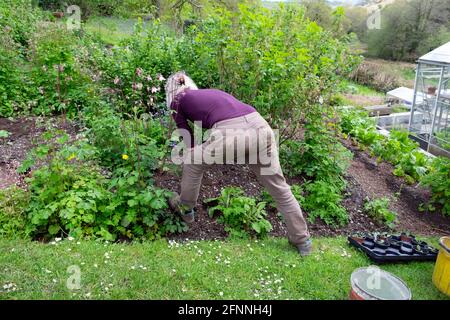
379,210
12,77
60,78
71,194
275,60
20,18
13,218
323,200
134,69
240,214
438,180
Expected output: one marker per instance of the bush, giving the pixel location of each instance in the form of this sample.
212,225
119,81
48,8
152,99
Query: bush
135,71
20,18
240,214
61,80
275,60
438,179
72,195
379,210
13,218
13,97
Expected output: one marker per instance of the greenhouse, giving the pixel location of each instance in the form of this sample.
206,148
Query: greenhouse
429,121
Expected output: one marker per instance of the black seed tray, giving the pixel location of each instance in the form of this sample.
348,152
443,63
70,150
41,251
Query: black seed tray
383,248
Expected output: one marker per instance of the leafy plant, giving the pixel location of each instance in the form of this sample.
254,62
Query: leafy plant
414,164
240,214
379,210
72,195
13,218
323,200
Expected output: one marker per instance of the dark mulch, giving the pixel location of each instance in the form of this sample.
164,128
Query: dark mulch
220,176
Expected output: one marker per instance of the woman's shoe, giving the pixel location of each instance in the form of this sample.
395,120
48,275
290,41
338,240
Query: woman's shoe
305,249
188,215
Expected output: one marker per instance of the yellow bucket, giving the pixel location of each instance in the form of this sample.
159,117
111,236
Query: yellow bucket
441,275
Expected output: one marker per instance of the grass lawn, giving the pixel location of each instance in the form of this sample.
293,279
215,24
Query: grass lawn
110,29
235,269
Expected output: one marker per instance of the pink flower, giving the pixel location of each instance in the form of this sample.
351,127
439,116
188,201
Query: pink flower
161,78
116,80
139,72
154,89
149,78
137,86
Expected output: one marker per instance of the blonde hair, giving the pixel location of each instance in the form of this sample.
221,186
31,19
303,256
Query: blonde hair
177,83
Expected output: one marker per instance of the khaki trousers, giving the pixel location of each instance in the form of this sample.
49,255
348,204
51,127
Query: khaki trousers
260,141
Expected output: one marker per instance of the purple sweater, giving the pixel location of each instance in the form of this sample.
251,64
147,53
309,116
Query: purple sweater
208,106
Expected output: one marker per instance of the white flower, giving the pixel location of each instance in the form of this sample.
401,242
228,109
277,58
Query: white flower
161,78
70,239
116,80
58,239
221,293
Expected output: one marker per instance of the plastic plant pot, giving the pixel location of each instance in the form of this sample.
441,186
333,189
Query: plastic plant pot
372,283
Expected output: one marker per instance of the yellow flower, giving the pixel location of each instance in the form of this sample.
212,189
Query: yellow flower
71,157
125,157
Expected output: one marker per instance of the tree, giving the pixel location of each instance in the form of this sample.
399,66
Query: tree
409,28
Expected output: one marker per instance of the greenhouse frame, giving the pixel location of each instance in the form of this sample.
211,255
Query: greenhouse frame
430,120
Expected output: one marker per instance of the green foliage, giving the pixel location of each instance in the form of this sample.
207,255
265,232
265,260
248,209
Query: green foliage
4,134
13,218
134,70
60,78
72,195
398,145
414,164
20,18
323,200
379,210
12,77
275,60
438,179
404,153
240,214
322,159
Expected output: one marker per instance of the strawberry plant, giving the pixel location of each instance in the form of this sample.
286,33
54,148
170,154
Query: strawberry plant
239,213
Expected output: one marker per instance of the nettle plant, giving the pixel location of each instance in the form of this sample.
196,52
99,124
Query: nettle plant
239,213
